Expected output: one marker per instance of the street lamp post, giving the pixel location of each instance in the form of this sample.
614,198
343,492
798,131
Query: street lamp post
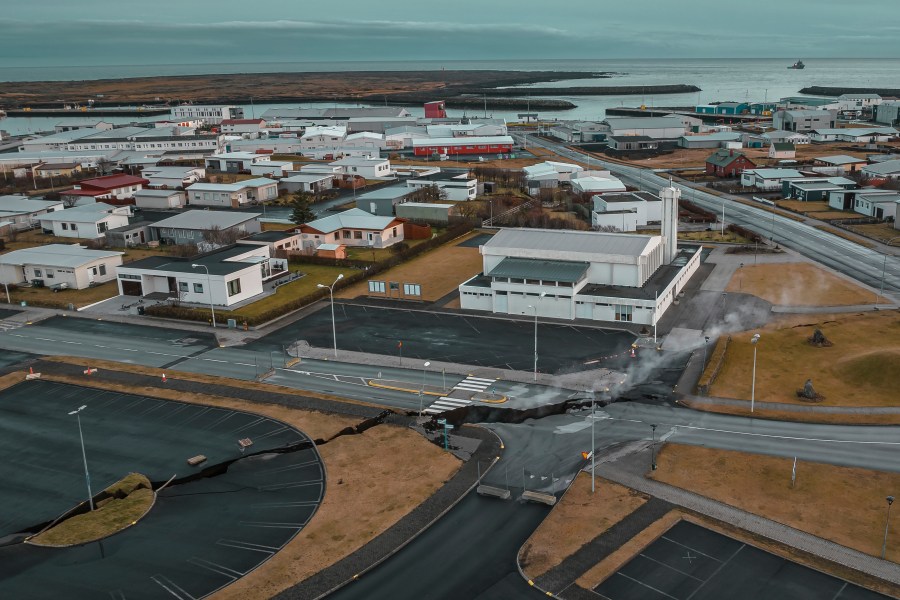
593,446
422,389
87,476
330,289
887,524
653,447
884,271
535,309
208,291
754,340
705,347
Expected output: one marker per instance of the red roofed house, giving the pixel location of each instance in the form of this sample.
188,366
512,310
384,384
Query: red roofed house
242,125
728,163
108,187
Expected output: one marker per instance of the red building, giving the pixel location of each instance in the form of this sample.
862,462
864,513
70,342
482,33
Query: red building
728,163
497,144
435,110
108,188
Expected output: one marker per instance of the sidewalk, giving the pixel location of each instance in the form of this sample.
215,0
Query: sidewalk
808,408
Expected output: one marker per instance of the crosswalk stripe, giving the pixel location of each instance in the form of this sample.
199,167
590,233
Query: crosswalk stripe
441,403
433,411
470,388
479,379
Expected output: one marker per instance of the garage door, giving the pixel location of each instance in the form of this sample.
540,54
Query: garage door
132,288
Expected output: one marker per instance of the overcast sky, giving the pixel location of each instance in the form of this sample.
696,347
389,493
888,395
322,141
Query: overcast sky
101,32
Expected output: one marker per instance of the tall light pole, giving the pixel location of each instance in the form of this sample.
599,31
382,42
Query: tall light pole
87,476
705,347
884,270
422,389
593,446
887,524
330,289
535,309
208,291
653,447
754,340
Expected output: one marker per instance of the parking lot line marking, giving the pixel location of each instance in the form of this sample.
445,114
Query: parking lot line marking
649,587
686,547
672,568
165,583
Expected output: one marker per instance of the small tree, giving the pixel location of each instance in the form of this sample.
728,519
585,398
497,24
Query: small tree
301,213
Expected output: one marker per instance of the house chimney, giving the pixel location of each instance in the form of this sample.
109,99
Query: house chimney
731,152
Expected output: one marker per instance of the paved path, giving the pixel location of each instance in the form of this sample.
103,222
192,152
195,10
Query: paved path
780,308
629,472
807,408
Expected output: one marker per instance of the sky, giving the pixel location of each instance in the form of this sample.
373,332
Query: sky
105,32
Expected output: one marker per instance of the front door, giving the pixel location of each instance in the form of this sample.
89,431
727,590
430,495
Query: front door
371,238
173,285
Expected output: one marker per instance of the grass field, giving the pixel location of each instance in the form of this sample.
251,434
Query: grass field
859,369
47,297
797,284
878,231
803,207
712,236
439,271
109,516
844,235
840,504
576,520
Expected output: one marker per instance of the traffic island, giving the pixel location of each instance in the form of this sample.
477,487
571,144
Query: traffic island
118,507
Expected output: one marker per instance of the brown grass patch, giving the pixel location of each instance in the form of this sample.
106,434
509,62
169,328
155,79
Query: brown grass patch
714,235
763,412
576,520
439,271
878,231
801,206
847,373
374,479
797,284
831,215
840,504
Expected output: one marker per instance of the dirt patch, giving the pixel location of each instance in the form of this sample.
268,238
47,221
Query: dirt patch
846,373
840,504
831,215
576,520
374,479
877,231
439,271
797,284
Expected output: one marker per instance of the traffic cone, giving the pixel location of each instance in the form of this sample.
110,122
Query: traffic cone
31,370
633,355
164,378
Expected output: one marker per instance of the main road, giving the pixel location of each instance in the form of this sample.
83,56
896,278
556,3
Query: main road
861,263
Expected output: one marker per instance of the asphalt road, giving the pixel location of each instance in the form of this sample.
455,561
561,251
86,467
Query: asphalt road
863,264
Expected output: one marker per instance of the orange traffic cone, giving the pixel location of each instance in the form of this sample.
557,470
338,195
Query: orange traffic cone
164,378
31,370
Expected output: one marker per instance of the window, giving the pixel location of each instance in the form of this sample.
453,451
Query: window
182,286
198,288
65,226
74,226
103,269
624,312
394,232
357,235
102,227
376,287
37,273
412,289
49,273
346,234
234,287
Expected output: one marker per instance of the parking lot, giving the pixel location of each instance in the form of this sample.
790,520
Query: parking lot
690,561
202,533
482,341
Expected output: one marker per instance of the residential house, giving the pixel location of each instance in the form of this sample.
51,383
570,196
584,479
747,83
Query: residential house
859,100
659,128
794,137
728,163
626,211
108,187
431,212
578,275
550,174
272,168
594,184
312,183
459,187
280,243
365,167
814,189
232,195
768,179
783,151
845,198
888,169
363,143
23,212
381,201
242,126
234,162
172,177
67,169
193,226
223,277
804,120
878,205
159,199
354,227
631,143
712,140
850,164
60,265
88,221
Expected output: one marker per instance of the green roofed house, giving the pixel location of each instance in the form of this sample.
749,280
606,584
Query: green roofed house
728,163
782,151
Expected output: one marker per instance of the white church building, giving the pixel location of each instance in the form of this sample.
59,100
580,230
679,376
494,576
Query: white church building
566,274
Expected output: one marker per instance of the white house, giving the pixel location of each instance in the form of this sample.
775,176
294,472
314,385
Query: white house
782,150
172,177
306,182
222,278
856,135
364,143
159,199
550,173
320,142
55,264
625,211
272,168
361,166
659,128
888,169
457,187
87,221
578,275
242,126
877,205
190,226
24,212
232,195
859,100
797,138
354,227
768,179
234,162
594,184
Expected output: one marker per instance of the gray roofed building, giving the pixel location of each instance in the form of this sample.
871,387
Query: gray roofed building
545,270
62,265
206,219
538,241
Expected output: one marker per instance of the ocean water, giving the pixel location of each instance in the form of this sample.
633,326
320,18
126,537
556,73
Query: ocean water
719,80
